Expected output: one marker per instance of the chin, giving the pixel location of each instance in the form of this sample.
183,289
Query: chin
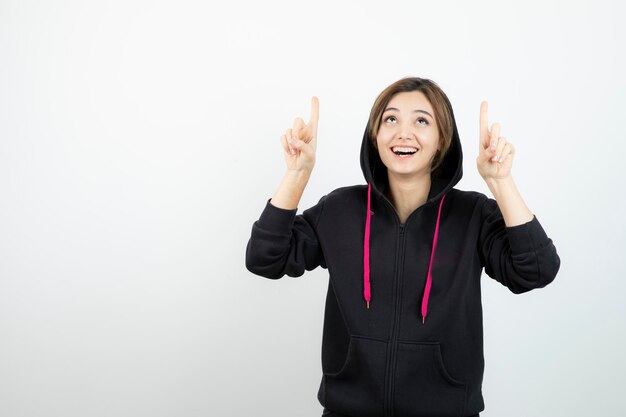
419,172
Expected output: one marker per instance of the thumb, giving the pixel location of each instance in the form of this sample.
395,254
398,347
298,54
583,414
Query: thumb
297,144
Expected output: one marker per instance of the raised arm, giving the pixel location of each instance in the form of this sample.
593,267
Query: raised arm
494,162
281,242
299,145
515,249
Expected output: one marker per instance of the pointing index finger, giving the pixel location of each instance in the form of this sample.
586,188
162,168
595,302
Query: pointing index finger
484,126
315,113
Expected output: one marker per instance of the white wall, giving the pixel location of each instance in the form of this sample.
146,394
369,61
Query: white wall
139,140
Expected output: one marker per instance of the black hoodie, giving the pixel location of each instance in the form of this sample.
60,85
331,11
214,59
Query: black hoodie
417,351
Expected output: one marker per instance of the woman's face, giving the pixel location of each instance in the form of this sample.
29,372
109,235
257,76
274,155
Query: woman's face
408,137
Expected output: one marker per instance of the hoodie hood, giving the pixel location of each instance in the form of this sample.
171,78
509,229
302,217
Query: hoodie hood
443,179
446,176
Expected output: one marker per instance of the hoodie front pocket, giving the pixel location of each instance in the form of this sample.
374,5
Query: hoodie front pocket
423,386
357,389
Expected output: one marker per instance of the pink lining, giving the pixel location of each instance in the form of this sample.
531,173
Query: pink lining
366,249
429,279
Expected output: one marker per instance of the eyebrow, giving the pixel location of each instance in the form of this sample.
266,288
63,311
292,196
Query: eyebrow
414,111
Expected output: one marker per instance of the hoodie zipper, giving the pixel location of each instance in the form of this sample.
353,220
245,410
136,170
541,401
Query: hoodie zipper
388,404
391,365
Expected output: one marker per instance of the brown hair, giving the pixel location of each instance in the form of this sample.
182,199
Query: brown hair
437,99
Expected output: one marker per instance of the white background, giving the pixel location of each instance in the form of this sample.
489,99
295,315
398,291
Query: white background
139,141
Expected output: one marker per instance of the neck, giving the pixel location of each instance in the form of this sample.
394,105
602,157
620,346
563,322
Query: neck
407,194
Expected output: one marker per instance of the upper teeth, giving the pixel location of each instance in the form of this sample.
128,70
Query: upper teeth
403,149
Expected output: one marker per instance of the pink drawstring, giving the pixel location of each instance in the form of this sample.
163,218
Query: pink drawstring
367,294
429,279
366,250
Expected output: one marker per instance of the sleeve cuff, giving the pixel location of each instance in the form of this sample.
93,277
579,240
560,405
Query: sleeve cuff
527,237
277,219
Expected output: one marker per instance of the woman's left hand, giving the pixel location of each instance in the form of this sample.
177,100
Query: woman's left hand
495,154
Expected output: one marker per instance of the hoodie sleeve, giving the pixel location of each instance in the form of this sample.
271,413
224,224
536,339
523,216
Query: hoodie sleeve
521,257
283,243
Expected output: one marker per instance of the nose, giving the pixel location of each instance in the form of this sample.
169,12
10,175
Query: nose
405,132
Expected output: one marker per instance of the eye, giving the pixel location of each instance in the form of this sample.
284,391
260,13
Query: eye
390,119
422,121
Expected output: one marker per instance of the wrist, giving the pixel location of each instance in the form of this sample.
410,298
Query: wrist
290,189
298,175
499,183
511,204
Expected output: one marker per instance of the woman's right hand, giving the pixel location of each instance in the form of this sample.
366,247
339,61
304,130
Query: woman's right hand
299,142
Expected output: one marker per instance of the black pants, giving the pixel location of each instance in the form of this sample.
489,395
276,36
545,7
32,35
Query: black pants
328,413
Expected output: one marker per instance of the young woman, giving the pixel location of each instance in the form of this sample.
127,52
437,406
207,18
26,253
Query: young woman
403,322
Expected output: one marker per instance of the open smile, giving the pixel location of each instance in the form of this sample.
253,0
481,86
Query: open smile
404,152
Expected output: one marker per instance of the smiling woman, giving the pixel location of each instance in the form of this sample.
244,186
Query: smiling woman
403,324
429,96
406,135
